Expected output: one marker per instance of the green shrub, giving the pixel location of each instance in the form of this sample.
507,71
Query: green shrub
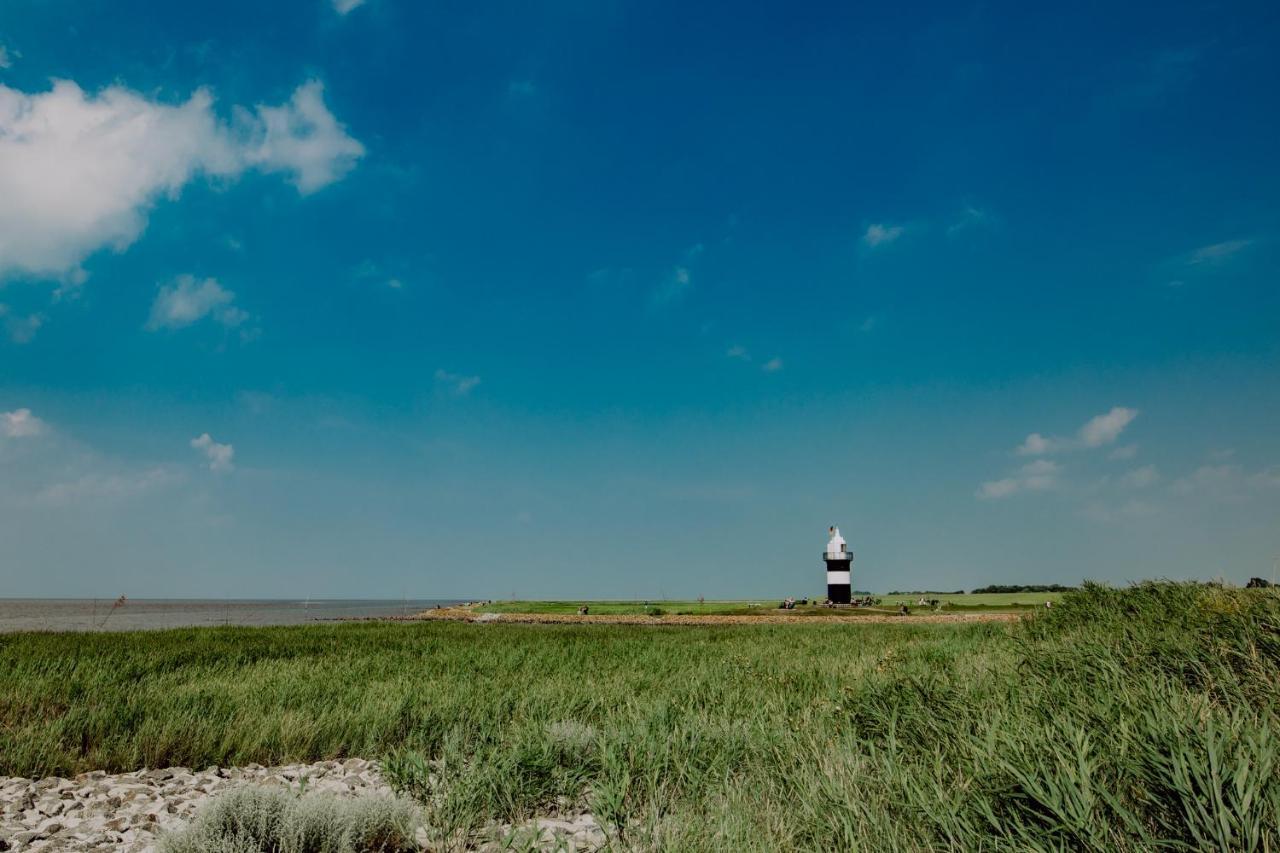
253,819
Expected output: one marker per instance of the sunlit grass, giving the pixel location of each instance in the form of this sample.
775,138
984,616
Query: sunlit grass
1116,720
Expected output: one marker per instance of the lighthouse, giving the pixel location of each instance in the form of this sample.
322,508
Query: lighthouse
838,559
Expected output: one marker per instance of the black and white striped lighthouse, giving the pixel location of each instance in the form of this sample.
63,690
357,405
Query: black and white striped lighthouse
838,559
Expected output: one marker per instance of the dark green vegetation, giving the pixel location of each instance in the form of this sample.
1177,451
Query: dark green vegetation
999,588
1132,720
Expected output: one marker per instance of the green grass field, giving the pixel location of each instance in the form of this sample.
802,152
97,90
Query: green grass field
956,603
1117,720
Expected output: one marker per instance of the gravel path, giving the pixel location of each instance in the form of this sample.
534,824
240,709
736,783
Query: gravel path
130,811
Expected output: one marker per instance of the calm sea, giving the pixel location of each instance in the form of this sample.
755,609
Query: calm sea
85,614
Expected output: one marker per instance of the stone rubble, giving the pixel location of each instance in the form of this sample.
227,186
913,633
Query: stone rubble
130,811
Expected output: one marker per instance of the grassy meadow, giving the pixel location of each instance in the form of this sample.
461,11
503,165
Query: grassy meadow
1131,719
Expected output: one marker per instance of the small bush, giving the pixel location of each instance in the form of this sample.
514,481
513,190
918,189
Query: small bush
252,819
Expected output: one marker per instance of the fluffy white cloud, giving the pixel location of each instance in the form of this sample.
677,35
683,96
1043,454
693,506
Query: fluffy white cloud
343,7
1097,431
218,456
1104,429
773,365
738,352
188,300
878,234
456,384
1034,445
1038,476
80,172
1128,451
6,58
20,423
303,137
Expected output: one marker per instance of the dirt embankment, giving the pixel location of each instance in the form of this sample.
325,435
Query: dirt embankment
462,614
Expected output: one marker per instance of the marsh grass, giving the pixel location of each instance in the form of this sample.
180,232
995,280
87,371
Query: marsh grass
1129,719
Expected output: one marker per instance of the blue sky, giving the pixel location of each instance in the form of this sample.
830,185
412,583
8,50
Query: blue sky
385,298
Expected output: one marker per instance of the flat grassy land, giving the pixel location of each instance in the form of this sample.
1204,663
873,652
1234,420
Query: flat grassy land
957,603
1118,720
987,600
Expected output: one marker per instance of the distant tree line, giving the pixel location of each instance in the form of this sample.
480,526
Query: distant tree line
924,592
1030,587
1257,583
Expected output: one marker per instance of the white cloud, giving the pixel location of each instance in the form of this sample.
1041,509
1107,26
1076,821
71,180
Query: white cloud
738,352
1105,429
1128,451
218,456
1034,445
21,330
878,234
1226,482
1038,476
457,385
100,486
1218,252
20,423
1141,478
344,7
1126,511
81,172
773,365
1097,431
995,489
6,58
188,300
304,138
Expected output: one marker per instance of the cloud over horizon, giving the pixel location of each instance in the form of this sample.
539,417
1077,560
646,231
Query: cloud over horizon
20,423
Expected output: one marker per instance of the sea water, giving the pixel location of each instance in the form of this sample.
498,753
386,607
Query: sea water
103,614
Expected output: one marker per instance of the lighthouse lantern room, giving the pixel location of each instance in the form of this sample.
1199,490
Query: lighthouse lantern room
838,559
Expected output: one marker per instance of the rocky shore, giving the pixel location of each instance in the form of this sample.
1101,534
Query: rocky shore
131,811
